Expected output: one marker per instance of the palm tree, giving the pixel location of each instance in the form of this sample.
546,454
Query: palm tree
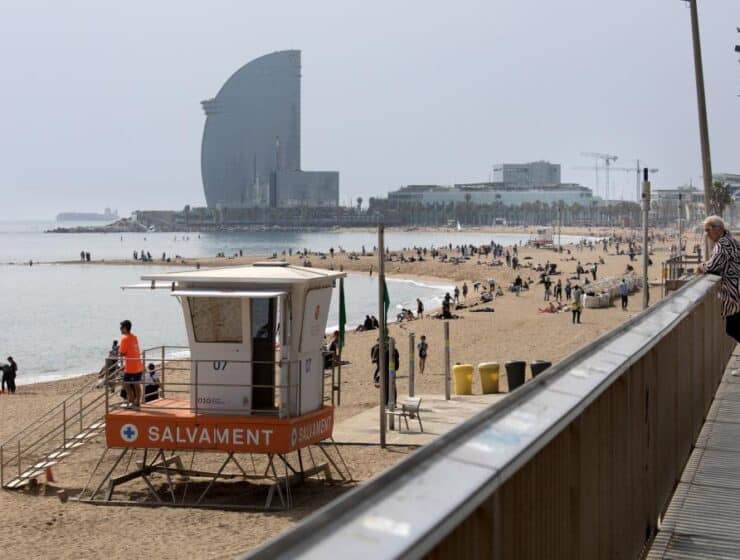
720,197
359,203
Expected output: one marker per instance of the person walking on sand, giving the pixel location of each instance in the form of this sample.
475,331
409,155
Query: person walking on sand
375,358
133,366
624,293
568,290
465,290
457,295
423,348
517,285
577,304
419,309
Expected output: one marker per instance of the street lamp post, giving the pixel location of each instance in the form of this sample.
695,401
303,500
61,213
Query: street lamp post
645,251
706,160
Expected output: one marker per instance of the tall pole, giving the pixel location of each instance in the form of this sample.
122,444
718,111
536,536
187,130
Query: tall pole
680,225
706,160
381,336
447,359
411,364
645,258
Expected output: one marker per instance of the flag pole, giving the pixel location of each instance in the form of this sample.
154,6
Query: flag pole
381,334
342,331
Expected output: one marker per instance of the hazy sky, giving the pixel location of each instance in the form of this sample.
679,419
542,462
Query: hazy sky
101,100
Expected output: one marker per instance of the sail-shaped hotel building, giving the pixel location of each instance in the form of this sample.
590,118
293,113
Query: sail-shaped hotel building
251,151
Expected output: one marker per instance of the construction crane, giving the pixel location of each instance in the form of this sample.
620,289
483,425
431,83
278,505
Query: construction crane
607,159
637,170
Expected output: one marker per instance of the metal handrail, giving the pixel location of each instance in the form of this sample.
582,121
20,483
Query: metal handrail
194,385
344,522
18,452
81,392
59,429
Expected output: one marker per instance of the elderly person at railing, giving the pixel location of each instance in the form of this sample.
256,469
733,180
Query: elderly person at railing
725,262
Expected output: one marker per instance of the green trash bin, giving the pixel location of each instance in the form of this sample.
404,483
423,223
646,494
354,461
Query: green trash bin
489,372
538,366
515,373
463,377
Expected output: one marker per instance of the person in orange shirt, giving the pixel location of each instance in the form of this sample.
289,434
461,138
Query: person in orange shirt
133,366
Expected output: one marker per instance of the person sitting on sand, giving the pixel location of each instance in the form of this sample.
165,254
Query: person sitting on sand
366,325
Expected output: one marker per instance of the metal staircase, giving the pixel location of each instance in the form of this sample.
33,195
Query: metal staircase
54,436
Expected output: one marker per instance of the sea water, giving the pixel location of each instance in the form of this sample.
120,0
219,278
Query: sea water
21,242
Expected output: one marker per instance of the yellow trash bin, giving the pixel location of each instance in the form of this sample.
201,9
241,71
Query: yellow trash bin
488,377
463,376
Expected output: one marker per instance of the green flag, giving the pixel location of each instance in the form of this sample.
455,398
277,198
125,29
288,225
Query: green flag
386,301
342,313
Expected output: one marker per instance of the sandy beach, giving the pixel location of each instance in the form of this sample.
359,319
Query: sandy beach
37,525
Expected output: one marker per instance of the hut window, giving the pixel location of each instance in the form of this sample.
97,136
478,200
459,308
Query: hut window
216,319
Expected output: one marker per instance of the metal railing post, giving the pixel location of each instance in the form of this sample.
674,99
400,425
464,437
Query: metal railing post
447,359
19,457
196,388
106,388
64,422
411,364
164,368
80,413
382,335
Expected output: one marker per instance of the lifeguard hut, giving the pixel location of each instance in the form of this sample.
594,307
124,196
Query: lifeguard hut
252,386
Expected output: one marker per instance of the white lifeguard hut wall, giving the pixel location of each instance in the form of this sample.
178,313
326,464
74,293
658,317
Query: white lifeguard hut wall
255,325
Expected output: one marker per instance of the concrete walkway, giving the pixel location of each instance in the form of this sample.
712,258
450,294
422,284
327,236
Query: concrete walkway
703,518
437,415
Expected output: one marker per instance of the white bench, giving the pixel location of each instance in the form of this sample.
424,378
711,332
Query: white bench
410,408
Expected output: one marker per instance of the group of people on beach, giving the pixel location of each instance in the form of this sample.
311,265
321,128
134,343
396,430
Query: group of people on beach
9,372
422,349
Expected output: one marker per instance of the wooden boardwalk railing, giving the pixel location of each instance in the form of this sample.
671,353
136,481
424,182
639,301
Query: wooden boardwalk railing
578,463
